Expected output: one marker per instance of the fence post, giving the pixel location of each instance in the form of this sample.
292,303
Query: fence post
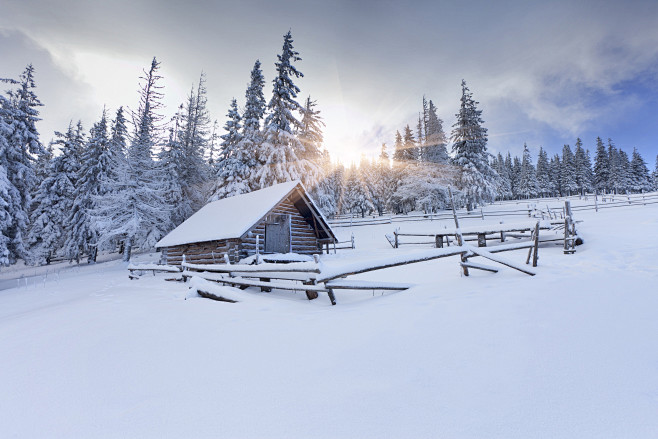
596,202
396,238
353,247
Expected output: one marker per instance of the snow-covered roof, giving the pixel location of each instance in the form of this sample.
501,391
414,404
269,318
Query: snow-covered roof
229,217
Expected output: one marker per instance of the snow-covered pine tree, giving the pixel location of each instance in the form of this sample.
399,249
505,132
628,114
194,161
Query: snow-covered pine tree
436,142
409,146
326,193
516,177
420,138
254,110
54,199
277,155
212,148
655,176
583,168
543,174
136,211
614,168
383,186
528,177
504,185
193,138
568,182
477,179
173,163
96,166
640,178
601,168
356,196
556,170
310,132
20,114
624,175
234,161
398,153
6,196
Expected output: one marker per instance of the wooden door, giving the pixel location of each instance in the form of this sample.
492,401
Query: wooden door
277,234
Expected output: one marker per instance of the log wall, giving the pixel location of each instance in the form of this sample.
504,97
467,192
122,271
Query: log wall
304,241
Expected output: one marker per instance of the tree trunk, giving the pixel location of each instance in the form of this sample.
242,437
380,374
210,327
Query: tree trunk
127,249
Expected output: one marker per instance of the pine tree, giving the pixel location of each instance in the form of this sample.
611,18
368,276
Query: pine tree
435,148
655,176
624,174
173,163
477,179
543,174
640,178
601,167
97,168
54,199
556,171
255,101
234,162
409,148
310,132
399,153
193,138
6,196
528,177
615,177
277,155
568,182
19,115
356,197
135,211
516,177
583,168
505,185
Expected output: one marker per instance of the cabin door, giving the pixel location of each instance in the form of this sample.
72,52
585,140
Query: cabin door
277,234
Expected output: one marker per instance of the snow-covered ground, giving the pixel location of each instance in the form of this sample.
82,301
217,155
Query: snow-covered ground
571,352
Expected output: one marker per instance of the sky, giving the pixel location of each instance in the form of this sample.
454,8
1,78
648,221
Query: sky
543,72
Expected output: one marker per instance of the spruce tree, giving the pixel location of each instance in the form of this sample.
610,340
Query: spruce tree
601,167
136,211
543,174
556,171
255,102
477,180
399,153
310,132
528,178
640,178
234,162
435,145
22,148
615,176
96,167
54,199
409,146
624,174
655,176
277,156
568,182
583,168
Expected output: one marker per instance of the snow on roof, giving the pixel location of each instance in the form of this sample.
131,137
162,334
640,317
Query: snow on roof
227,218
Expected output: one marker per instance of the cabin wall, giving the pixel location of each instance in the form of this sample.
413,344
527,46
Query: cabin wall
304,240
211,252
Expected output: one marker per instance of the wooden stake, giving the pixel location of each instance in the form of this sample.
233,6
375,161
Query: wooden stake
458,234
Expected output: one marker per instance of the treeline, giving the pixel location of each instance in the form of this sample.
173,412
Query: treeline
134,176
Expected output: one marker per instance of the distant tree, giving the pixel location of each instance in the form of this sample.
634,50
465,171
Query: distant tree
568,182
399,153
505,185
409,151
356,196
640,178
310,132
556,171
583,168
543,174
528,178
655,176
601,167
436,142
516,177
255,102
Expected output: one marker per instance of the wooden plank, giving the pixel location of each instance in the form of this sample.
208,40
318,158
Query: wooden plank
209,295
256,283
294,267
485,254
366,285
483,267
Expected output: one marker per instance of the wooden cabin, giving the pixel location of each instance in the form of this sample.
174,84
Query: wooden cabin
278,219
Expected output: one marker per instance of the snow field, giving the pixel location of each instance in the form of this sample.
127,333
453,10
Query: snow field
568,353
